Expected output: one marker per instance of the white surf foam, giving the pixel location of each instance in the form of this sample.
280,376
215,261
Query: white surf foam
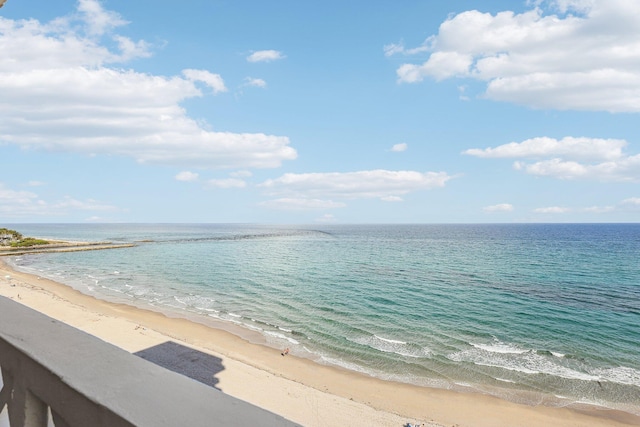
620,375
395,346
498,346
390,340
281,336
527,362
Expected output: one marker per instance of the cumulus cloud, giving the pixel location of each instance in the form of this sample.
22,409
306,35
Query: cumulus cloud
354,185
59,92
214,81
569,158
187,176
627,169
78,40
265,56
398,148
99,20
568,147
501,207
560,54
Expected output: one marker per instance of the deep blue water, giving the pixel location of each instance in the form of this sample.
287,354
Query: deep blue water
530,312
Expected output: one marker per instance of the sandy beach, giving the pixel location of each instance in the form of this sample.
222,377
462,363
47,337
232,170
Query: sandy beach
296,388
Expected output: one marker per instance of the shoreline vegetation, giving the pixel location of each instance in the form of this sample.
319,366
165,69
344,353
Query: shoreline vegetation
14,243
297,388
62,247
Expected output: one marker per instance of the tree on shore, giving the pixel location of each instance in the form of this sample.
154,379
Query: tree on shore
15,239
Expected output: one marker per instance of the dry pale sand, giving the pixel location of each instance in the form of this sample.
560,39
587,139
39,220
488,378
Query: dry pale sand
298,389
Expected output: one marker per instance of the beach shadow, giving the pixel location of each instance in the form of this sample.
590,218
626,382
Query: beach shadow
183,360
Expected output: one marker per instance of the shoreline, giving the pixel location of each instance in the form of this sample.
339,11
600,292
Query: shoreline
296,388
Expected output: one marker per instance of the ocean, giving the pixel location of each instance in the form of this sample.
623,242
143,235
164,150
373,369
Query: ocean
533,313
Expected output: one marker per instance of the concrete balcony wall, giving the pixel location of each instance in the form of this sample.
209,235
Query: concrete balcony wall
51,370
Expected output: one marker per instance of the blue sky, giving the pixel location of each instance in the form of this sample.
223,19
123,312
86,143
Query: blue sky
312,112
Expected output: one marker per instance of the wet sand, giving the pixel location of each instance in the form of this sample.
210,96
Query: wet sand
296,388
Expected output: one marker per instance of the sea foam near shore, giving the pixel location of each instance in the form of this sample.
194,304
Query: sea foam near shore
526,312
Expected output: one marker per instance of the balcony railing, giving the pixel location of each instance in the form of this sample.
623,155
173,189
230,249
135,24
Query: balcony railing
55,374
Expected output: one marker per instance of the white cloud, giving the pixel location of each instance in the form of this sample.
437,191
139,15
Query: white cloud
398,48
552,210
565,6
393,48
556,168
250,81
214,81
570,158
296,204
226,183
265,56
241,174
17,204
620,207
441,65
501,207
57,94
85,205
187,176
627,169
632,201
130,49
20,198
392,199
98,20
398,148
461,90
65,42
568,147
354,185
582,60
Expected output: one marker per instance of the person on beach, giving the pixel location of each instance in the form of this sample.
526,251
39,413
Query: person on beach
285,351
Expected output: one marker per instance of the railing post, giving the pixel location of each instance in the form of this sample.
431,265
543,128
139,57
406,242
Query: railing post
25,409
110,388
7,386
58,421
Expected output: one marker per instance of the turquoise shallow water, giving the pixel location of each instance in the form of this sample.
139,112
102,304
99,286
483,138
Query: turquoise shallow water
533,313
